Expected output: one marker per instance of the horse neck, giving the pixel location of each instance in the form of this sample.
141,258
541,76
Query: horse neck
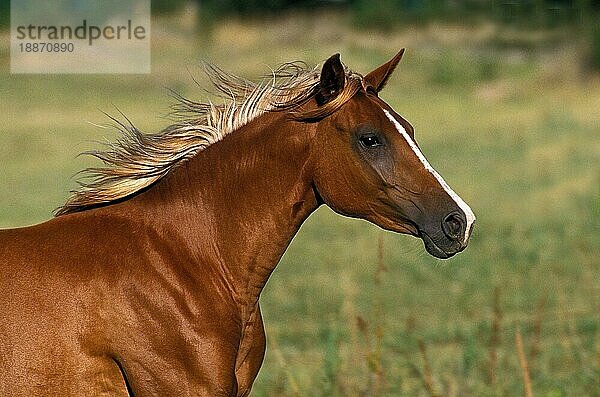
240,201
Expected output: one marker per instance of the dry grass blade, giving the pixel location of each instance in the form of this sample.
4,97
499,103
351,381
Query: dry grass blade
537,332
381,267
524,365
495,337
427,376
291,379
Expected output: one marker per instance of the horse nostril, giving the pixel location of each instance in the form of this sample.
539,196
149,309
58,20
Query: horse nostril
453,226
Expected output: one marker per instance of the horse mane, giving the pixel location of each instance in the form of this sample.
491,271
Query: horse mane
137,160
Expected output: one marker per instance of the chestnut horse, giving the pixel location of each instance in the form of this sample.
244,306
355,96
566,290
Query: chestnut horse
147,281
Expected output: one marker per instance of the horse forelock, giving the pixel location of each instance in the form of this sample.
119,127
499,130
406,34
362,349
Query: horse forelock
137,160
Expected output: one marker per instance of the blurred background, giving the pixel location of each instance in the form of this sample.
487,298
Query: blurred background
505,100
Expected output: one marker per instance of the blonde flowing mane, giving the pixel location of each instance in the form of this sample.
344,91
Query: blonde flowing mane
137,160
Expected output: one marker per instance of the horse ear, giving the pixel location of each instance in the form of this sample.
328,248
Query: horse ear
378,77
333,78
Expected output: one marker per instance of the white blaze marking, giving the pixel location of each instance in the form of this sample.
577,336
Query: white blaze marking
459,201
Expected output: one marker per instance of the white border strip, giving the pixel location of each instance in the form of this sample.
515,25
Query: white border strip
459,201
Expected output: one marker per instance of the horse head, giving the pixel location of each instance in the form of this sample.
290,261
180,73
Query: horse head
368,165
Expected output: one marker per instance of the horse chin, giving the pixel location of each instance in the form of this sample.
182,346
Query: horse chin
402,228
410,228
432,248
396,225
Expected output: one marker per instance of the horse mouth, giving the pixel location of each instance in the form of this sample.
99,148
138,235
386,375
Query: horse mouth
432,248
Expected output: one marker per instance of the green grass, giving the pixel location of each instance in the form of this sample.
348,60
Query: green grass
516,133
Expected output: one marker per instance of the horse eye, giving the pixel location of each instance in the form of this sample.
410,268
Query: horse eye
370,141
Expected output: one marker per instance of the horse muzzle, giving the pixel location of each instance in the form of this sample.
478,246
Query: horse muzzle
447,238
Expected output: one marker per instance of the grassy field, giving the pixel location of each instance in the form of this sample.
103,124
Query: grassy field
352,310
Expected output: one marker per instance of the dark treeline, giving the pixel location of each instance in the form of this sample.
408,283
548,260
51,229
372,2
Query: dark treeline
4,13
533,14
388,13
385,14
583,15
